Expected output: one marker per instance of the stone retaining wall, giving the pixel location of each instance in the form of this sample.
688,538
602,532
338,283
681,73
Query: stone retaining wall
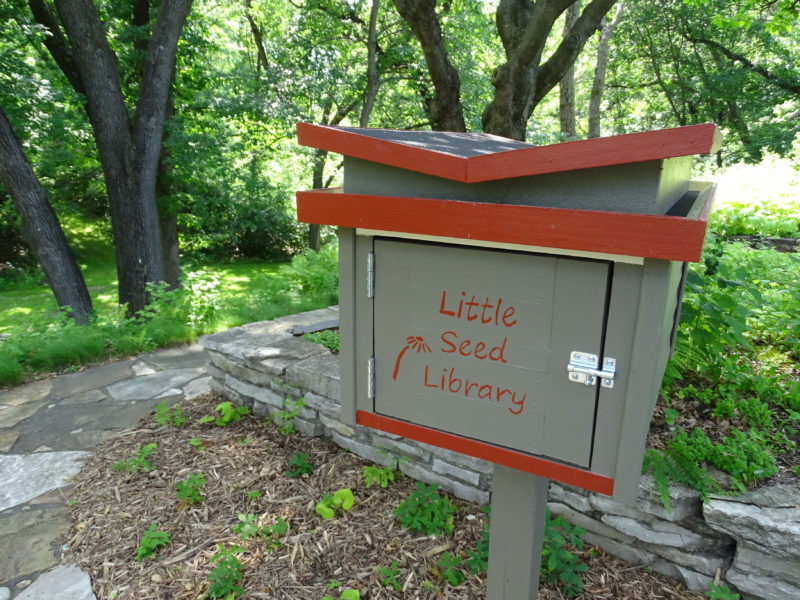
752,541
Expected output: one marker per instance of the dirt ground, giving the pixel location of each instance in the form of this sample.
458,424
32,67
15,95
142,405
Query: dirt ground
314,558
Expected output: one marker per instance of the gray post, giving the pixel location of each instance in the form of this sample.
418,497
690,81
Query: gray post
519,508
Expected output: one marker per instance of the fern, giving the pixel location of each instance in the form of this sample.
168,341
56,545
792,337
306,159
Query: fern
674,464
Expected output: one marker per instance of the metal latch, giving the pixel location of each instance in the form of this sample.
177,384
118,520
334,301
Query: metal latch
583,368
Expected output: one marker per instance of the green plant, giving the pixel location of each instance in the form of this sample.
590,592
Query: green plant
227,413
449,569
718,591
199,444
140,462
316,273
327,338
188,490
333,584
152,540
559,564
388,576
373,474
166,416
284,418
426,511
246,527
340,500
271,533
345,595
225,577
478,559
299,465
254,494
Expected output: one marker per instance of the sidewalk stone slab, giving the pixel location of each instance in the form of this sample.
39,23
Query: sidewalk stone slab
80,426
84,398
7,439
26,540
65,582
30,392
25,477
151,386
196,387
182,357
92,379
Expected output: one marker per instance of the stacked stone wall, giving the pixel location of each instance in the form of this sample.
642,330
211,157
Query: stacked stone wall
751,542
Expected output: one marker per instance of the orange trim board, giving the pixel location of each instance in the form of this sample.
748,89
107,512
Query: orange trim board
495,454
534,160
630,234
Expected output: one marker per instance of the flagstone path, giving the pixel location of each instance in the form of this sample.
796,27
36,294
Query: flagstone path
47,429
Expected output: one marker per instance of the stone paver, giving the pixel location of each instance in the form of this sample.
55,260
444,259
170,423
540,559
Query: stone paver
27,538
154,385
25,477
65,582
49,425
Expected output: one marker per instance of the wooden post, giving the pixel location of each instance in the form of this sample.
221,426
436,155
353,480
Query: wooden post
519,509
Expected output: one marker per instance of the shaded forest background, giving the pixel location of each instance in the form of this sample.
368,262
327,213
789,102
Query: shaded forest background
171,123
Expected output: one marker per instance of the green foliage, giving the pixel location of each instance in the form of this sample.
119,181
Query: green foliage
478,559
152,540
227,413
247,526
299,465
169,417
388,576
271,533
284,418
327,338
316,273
225,577
188,490
345,595
762,218
718,591
427,511
560,565
340,500
449,569
254,494
139,462
375,475
198,444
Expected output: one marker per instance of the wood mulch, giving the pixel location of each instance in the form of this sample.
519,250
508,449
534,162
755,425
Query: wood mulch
111,509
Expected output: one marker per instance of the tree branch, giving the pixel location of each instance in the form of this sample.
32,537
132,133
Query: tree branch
56,43
789,86
551,72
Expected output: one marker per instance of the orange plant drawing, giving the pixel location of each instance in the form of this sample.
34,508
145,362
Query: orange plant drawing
413,342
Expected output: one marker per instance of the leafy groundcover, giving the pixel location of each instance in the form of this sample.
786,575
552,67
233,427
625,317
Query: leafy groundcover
239,521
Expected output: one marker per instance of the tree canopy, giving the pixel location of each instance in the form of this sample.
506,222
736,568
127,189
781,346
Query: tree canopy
175,119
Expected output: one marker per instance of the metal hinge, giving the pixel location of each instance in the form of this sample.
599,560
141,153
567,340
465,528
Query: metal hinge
371,377
371,275
582,368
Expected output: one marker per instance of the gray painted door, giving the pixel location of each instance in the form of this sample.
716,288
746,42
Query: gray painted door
476,342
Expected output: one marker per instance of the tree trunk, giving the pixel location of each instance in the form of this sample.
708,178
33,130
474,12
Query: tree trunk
445,109
258,38
320,157
523,80
371,91
41,228
601,66
566,87
129,152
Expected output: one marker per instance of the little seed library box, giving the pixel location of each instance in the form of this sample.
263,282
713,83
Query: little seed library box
511,302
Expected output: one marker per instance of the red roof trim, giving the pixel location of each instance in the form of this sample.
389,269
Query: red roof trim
384,152
630,234
495,454
567,156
